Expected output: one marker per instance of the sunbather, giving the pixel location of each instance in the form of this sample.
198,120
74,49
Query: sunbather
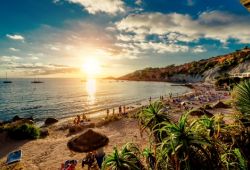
69,165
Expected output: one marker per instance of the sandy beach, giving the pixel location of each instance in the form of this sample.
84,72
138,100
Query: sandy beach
50,152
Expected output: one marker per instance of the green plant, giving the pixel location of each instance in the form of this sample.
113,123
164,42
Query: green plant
153,115
184,147
126,159
241,95
24,131
233,159
150,158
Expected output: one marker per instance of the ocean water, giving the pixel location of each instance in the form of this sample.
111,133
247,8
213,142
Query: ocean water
62,98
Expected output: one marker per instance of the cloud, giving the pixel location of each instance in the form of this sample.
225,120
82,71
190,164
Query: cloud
199,49
15,37
9,59
43,69
105,6
208,25
34,58
13,49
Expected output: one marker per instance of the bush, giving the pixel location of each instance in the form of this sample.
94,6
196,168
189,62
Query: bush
24,131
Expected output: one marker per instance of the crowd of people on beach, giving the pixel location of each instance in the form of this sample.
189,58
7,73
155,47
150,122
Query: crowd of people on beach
201,95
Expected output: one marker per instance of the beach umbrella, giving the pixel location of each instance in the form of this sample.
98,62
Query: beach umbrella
88,141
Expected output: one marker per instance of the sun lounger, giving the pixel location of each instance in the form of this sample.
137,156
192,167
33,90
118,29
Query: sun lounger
14,157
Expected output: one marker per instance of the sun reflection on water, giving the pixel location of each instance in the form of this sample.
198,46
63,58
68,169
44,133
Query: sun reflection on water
91,90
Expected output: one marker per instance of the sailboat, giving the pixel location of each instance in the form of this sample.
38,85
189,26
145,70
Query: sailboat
37,81
6,79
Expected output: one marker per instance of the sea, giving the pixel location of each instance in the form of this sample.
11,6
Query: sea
66,97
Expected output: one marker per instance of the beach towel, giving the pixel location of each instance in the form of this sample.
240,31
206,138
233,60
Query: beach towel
14,157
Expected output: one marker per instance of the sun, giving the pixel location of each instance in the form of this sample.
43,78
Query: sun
91,67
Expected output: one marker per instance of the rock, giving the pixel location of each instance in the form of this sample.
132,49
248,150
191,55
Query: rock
44,133
16,118
50,121
220,105
20,122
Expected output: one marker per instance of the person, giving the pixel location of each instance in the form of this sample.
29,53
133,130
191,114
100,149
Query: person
120,109
89,160
124,109
75,121
99,156
113,111
84,118
78,119
69,165
107,112
150,99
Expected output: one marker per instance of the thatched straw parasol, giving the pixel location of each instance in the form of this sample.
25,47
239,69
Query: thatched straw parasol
88,141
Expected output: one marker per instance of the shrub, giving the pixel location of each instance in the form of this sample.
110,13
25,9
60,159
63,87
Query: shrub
24,131
241,94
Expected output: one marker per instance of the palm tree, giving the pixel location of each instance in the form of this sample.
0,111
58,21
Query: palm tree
241,96
126,159
152,116
184,147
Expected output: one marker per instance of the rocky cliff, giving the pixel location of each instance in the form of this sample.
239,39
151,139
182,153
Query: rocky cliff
196,71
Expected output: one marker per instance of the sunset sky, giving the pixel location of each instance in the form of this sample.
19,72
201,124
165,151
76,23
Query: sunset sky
60,38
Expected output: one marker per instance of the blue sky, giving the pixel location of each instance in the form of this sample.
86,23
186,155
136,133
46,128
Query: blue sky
53,38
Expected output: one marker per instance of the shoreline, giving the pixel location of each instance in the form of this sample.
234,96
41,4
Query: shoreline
50,152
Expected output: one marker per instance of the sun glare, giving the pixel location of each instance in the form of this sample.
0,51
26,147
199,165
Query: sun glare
91,67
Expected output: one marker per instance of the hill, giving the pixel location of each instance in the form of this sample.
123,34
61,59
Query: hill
203,70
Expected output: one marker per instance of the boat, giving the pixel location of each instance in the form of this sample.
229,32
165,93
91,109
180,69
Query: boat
37,81
6,80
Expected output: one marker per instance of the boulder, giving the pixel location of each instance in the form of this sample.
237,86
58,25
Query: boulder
16,118
50,121
44,133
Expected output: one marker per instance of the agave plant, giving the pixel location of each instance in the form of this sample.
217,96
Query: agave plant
233,159
152,116
150,158
126,159
184,147
213,125
241,96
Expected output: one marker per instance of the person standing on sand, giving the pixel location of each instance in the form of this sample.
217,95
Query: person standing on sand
124,109
113,111
120,109
107,112
150,99
99,156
